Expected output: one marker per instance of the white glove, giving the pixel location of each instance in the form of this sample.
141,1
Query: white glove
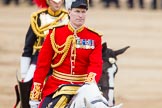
89,96
34,104
24,66
30,73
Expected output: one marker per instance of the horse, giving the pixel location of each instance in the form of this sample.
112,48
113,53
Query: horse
110,68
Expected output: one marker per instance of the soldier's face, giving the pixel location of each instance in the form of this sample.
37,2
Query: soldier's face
77,16
55,5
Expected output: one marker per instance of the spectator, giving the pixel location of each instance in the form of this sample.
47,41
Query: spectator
108,2
7,2
154,4
91,4
130,4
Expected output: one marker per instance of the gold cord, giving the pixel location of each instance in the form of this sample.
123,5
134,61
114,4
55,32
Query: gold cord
39,31
62,49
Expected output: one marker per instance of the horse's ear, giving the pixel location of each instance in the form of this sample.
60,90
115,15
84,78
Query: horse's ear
104,46
120,51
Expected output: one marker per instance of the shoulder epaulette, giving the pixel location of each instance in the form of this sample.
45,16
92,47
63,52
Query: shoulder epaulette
93,30
65,11
38,12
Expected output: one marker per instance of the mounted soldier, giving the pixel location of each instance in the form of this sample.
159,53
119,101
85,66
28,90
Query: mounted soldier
50,15
74,51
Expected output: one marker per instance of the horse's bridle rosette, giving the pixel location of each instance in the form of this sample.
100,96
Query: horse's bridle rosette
35,94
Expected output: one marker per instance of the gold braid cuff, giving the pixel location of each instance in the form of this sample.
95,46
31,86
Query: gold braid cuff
91,77
35,94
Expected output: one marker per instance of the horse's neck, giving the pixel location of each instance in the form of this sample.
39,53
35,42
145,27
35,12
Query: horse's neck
111,97
111,71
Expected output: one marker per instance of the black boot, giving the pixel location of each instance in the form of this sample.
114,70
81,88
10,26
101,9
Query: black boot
24,88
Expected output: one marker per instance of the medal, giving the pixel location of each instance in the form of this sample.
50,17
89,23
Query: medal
84,43
77,42
92,45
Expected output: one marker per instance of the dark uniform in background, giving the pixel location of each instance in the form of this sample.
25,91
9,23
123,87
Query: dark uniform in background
40,22
17,2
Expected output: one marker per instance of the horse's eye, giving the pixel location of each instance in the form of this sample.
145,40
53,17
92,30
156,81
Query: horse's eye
112,60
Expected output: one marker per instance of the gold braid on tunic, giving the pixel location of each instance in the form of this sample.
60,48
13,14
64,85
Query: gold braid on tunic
39,31
62,49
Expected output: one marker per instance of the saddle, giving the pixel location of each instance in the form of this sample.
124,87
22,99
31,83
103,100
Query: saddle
63,95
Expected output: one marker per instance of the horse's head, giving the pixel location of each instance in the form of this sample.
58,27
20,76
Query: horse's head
109,56
109,69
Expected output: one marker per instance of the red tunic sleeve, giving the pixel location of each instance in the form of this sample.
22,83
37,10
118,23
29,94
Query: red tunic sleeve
95,59
44,61
42,69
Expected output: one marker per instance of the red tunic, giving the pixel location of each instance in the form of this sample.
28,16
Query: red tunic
87,59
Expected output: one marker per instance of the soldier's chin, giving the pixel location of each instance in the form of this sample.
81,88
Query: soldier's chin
56,8
80,23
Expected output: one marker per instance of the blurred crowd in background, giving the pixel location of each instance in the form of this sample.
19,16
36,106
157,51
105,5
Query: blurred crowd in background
153,4
17,2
